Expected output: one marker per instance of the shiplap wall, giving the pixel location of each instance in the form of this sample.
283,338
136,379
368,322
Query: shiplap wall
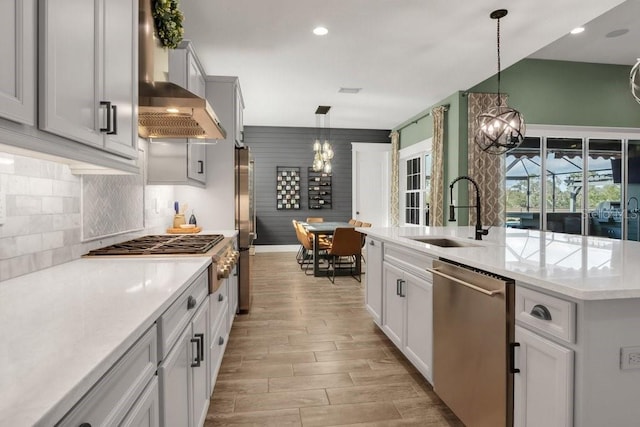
285,146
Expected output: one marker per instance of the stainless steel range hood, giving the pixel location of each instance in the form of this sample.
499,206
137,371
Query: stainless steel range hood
166,110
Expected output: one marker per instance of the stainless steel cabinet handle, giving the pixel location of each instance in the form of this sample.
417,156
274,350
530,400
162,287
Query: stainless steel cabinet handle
397,286
107,104
462,282
114,129
402,294
201,346
540,312
112,121
200,166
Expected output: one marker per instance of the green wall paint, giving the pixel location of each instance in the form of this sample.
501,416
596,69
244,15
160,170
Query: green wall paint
568,93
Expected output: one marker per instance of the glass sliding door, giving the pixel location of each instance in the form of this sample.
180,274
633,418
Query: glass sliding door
604,191
633,191
523,172
564,185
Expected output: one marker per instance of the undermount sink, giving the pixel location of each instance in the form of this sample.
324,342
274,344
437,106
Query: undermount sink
444,242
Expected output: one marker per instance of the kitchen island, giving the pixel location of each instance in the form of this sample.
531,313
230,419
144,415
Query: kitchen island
578,367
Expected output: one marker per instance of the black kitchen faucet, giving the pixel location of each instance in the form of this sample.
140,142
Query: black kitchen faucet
452,208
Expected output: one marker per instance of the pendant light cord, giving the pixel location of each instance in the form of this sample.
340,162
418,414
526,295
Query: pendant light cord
498,44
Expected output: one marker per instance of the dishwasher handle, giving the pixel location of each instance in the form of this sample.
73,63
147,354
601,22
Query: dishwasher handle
463,283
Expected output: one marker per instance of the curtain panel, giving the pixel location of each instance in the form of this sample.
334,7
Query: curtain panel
394,204
488,170
436,199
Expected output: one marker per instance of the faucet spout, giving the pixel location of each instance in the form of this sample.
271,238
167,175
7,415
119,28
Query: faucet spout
479,230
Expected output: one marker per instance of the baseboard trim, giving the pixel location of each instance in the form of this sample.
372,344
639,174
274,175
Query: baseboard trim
276,248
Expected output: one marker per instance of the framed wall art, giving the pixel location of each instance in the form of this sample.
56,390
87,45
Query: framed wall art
287,187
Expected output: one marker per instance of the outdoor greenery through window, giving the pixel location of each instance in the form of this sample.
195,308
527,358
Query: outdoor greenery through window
412,192
569,165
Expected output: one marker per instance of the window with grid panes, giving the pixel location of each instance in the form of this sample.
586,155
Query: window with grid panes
413,191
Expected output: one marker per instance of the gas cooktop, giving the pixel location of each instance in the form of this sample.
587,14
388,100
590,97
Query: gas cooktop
162,244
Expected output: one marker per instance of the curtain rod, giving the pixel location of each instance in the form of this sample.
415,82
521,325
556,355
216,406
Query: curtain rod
425,114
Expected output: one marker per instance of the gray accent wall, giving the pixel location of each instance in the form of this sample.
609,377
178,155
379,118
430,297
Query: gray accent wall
287,146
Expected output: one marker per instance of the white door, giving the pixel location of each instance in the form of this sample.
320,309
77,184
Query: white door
418,346
373,293
543,389
18,66
120,78
175,383
393,304
370,182
69,104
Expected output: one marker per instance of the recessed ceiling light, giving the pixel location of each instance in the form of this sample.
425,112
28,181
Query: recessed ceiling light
320,31
577,30
617,33
350,90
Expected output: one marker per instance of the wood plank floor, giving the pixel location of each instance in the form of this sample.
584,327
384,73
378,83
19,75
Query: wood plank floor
309,354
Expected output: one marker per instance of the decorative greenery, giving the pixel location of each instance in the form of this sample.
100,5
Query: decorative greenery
168,22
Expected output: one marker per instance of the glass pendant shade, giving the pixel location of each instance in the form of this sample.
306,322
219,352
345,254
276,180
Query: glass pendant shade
500,129
634,80
327,167
316,145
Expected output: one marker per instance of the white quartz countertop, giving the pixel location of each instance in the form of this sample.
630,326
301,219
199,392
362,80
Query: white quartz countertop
580,267
63,327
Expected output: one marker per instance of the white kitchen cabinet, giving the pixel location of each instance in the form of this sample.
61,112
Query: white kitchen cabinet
88,73
116,393
145,413
373,289
219,327
183,375
18,65
543,389
180,161
225,96
408,316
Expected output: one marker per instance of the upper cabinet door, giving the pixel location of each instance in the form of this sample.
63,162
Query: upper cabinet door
196,83
69,45
17,67
120,76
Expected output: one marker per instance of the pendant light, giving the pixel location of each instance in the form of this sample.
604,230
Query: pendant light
500,128
322,151
634,80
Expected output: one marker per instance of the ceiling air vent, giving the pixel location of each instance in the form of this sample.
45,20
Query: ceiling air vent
352,90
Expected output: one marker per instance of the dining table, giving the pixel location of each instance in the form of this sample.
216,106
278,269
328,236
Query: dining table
324,229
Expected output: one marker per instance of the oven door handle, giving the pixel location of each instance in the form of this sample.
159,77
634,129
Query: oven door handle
463,283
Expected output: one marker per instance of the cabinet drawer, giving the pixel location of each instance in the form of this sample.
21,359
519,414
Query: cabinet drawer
546,313
175,319
218,306
409,260
111,398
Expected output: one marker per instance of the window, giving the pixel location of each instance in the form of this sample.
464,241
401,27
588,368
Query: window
415,183
583,188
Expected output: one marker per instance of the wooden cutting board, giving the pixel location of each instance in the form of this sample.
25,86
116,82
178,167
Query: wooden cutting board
184,230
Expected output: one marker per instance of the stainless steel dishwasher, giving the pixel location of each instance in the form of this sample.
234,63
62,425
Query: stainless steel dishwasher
473,324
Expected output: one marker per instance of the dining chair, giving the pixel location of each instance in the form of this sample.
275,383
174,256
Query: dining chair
315,219
346,244
301,248
306,240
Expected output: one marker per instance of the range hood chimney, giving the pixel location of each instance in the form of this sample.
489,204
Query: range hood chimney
166,110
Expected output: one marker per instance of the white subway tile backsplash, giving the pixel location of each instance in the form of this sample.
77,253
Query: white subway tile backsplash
52,205
47,206
40,187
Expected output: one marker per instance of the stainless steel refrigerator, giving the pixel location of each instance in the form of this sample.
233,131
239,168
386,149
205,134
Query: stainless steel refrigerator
245,222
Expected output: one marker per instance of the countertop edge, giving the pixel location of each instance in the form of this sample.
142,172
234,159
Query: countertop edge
528,280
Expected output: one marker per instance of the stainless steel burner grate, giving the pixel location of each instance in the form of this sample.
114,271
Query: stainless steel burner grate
162,244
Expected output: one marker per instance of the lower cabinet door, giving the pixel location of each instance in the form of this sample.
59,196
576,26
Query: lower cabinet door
373,289
175,383
200,367
393,316
418,346
543,389
146,411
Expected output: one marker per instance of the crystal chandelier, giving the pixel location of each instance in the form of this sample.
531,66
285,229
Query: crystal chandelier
634,80
322,151
500,128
